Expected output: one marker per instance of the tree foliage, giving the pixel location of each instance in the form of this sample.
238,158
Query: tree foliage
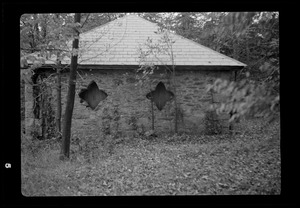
255,42
45,33
48,35
250,37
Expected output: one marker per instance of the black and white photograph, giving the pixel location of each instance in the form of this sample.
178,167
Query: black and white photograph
150,104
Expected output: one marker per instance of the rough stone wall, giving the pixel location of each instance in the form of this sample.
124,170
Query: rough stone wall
130,98
194,100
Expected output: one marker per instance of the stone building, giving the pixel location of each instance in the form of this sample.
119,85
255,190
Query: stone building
111,54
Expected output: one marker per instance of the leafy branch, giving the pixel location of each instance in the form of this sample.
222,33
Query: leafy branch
246,98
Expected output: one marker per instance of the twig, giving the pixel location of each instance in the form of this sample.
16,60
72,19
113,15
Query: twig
80,76
46,49
108,48
85,20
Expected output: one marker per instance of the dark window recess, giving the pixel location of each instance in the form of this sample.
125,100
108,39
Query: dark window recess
92,95
160,96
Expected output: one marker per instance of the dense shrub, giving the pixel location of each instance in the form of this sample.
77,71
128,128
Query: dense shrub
33,146
212,125
110,127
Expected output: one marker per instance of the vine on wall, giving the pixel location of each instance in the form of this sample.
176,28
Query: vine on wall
43,108
110,126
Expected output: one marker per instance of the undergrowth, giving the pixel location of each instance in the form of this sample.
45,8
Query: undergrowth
245,163
212,125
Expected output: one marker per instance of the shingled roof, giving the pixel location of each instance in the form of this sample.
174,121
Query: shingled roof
117,43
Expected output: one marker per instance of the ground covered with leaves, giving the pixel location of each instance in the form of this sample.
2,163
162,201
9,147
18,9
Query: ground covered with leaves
247,162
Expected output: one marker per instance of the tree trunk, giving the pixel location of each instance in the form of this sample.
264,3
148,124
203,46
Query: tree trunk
43,113
174,90
58,97
152,110
67,122
175,102
58,87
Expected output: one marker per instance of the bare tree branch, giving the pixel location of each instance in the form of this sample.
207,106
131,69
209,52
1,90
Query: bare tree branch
85,20
47,49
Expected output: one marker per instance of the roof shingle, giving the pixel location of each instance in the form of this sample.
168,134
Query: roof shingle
117,43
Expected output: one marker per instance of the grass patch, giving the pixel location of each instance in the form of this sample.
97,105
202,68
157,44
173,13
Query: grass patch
245,163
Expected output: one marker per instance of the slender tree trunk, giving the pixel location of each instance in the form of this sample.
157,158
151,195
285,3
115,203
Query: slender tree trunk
58,97
34,34
58,87
152,109
43,114
175,102
67,122
175,93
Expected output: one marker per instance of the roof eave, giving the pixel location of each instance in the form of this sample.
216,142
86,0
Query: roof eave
178,67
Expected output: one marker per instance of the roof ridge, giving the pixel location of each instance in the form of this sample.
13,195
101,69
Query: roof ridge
144,19
125,16
105,24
